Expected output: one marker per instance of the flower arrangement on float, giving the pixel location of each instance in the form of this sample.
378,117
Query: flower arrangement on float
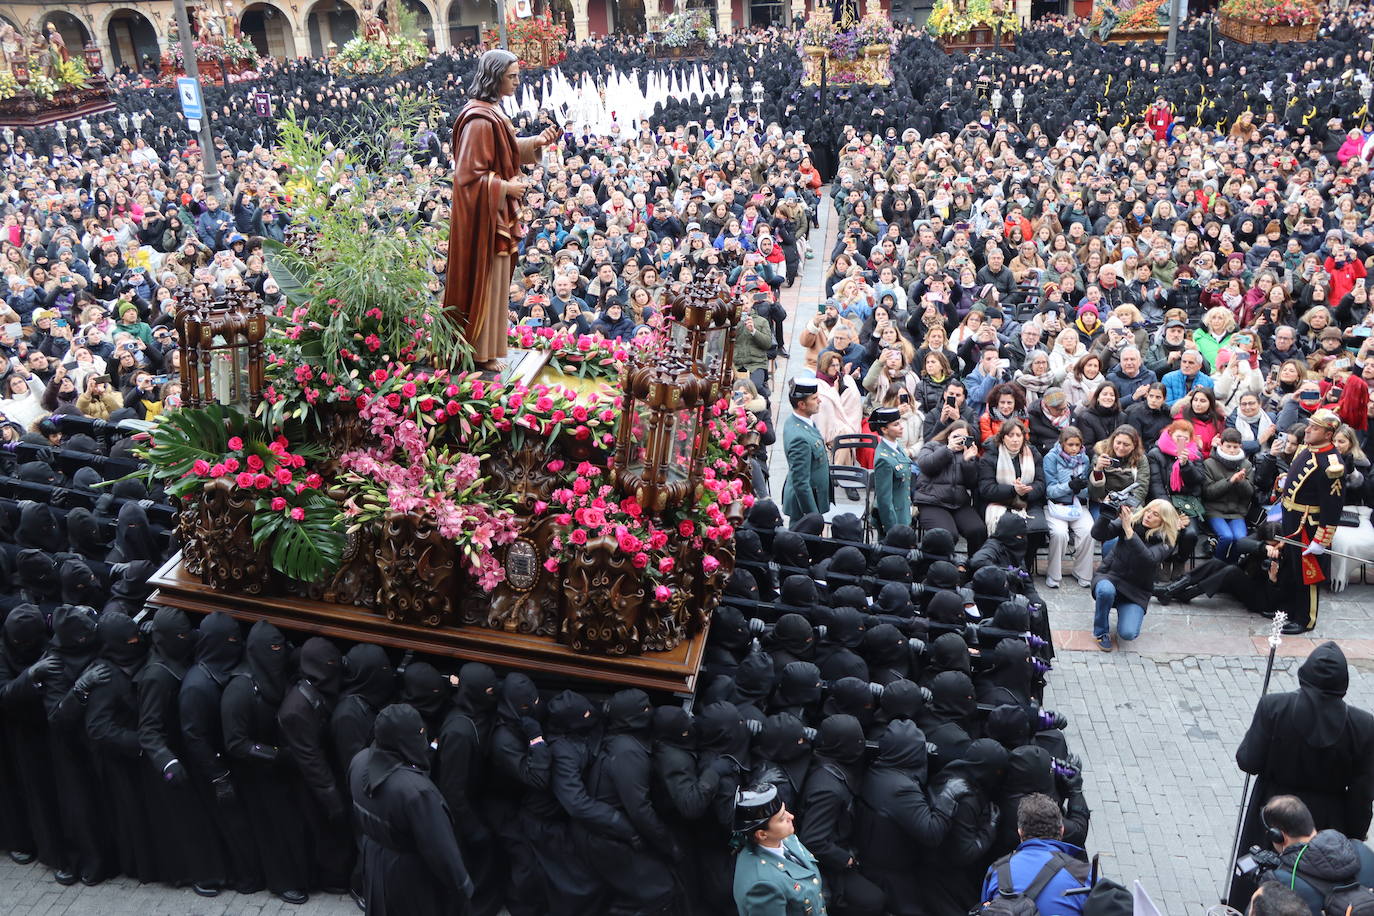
1273,12
582,355
949,18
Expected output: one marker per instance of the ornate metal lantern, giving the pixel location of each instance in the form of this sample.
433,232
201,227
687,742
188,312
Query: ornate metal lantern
223,358
95,61
704,321
662,430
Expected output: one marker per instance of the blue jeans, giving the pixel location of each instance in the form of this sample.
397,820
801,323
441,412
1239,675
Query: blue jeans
1228,531
1095,509
1129,617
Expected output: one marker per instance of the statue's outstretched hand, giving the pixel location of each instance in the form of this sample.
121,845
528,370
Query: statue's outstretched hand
550,135
516,187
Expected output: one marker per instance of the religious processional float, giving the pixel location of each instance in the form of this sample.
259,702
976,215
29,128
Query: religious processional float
973,25
538,42
338,470
846,51
223,54
42,82
384,46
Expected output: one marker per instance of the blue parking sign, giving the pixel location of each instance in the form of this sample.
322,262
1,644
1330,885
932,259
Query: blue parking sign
188,90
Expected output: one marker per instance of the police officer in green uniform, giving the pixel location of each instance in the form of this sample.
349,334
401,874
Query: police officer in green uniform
891,471
775,875
807,488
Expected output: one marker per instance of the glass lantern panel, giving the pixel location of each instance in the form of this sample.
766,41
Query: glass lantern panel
683,443
715,350
641,422
228,370
679,336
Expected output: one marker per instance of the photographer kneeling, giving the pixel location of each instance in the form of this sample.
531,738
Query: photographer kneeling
1126,578
1321,865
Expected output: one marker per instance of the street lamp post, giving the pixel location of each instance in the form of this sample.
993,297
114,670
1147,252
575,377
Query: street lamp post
209,168
1171,50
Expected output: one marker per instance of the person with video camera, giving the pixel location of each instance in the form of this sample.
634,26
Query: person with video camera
1126,578
1331,872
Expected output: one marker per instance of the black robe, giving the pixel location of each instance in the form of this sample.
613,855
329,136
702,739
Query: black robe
411,862
26,778
112,729
218,652
88,847
186,844
252,741
460,772
304,723
523,811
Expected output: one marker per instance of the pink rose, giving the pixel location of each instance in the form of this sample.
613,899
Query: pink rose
201,467
577,536
217,471
426,404
278,503
686,528
710,564
555,465
262,481
551,565
283,476
666,564
543,404
563,519
298,514
628,542
231,465
640,560
409,389
244,480
235,444
662,593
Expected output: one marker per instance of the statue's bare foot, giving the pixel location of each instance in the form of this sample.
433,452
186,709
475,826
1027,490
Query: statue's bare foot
490,365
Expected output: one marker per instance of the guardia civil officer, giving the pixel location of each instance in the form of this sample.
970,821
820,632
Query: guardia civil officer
775,875
891,471
807,488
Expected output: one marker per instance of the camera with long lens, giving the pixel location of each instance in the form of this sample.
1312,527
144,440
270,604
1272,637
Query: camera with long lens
1256,860
1121,499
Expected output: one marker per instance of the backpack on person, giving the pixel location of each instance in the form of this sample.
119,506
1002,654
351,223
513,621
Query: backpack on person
1353,899
1011,902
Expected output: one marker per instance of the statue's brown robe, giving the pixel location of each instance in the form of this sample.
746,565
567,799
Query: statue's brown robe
483,226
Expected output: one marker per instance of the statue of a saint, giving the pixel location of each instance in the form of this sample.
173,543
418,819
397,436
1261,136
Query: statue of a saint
57,48
487,188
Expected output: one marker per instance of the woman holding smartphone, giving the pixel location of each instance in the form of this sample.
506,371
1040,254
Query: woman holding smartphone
948,478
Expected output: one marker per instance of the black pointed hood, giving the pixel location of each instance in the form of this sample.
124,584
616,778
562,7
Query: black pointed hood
266,658
37,527
423,687
672,726
219,648
952,697
25,635
629,712
476,694
368,673
321,664
134,535
519,699
840,738
399,739
174,641
983,763
120,642
794,635
571,714
903,747
1322,682
79,584
83,534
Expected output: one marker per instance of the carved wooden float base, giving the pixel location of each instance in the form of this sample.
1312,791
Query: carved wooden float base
672,672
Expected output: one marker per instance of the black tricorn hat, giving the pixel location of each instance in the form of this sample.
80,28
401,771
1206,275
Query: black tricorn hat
755,807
